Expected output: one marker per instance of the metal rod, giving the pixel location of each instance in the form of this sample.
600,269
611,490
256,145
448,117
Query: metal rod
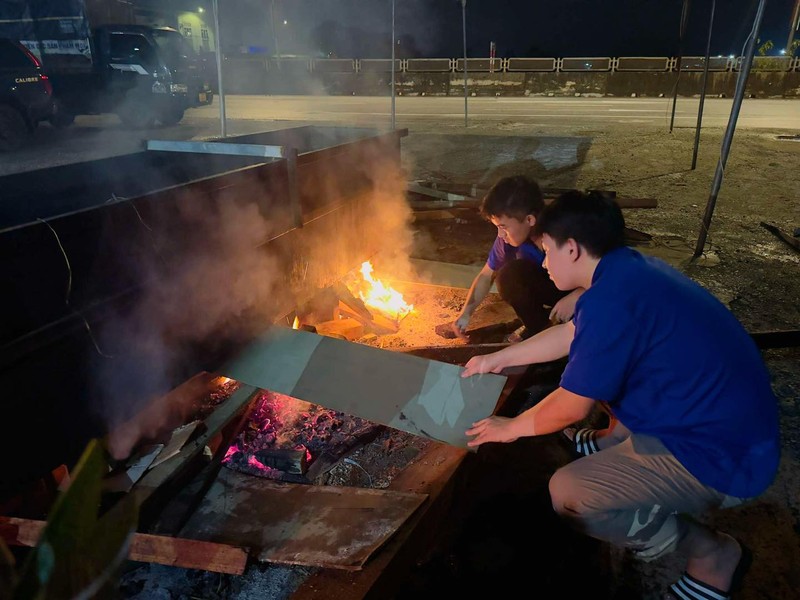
684,19
741,83
464,28
393,68
703,91
793,26
222,123
274,31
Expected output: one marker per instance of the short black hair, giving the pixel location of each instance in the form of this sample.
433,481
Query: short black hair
592,219
516,196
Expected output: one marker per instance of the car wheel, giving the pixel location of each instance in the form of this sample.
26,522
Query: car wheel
62,117
136,113
13,129
172,117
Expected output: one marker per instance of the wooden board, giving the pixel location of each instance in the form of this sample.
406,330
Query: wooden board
413,394
163,550
324,526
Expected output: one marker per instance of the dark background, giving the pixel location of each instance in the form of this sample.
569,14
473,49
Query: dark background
433,28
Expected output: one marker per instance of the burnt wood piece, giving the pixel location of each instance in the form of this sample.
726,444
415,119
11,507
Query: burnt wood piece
162,550
153,490
776,339
792,241
354,304
287,460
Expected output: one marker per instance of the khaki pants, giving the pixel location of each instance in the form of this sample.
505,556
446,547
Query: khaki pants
634,494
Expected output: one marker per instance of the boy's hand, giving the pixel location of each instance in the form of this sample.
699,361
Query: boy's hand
491,429
459,327
564,308
486,363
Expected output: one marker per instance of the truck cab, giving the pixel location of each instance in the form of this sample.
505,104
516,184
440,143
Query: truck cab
150,75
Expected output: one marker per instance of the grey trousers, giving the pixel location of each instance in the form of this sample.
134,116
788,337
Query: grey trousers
634,494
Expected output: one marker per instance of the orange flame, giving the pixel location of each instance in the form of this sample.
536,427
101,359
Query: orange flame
296,323
382,297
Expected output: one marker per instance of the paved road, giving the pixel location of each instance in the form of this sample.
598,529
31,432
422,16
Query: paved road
780,114
94,137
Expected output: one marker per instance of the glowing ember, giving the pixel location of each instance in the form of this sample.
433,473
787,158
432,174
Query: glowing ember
382,297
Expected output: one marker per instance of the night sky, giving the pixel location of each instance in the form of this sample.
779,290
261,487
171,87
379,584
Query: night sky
432,28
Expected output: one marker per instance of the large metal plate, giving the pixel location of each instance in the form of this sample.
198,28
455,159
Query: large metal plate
413,394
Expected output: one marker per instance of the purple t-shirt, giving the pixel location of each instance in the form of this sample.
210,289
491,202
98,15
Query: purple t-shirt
502,253
674,363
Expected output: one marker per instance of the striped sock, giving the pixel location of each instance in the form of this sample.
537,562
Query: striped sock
689,588
585,441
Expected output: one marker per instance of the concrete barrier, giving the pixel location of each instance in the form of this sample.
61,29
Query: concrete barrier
626,76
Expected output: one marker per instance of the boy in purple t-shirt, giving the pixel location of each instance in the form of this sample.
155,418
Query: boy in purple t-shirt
697,424
515,262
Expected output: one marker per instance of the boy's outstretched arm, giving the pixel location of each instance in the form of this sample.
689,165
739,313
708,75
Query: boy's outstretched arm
550,344
478,291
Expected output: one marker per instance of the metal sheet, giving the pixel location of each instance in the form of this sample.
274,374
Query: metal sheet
325,526
217,148
413,394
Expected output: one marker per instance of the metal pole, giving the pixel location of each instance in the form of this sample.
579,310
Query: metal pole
703,91
741,83
684,19
274,32
464,28
222,123
393,68
793,26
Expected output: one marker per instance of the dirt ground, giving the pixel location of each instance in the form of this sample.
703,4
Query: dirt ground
502,533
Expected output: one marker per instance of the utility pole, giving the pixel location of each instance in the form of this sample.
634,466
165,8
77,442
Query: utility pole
793,27
222,117
464,28
684,20
393,67
274,31
705,84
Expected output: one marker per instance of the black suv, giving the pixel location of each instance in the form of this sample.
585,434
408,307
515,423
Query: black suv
26,95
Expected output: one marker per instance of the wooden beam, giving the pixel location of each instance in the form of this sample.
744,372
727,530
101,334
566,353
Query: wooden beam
174,552
776,339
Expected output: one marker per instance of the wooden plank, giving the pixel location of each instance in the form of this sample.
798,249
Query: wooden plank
416,395
349,329
321,526
174,552
776,339
435,473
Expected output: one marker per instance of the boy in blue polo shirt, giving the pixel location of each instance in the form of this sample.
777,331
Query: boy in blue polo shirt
515,262
697,420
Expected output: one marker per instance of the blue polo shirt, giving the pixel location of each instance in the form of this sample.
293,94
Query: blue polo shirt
673,362
502,253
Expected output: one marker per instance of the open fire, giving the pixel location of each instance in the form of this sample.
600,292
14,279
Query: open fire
376,294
